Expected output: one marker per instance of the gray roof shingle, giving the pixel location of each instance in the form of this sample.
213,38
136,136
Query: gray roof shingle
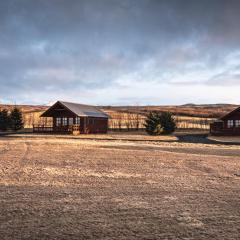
83,110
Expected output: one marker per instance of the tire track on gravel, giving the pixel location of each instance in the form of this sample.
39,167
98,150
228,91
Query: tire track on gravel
14,158
5,149
182,150
22,161
24,158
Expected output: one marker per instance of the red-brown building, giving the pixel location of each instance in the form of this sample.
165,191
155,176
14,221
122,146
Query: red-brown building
74,118
227,125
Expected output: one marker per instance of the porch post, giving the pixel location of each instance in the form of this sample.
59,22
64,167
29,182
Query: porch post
53,124
84,125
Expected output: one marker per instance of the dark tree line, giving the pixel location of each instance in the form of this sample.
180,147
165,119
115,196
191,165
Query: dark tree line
12,120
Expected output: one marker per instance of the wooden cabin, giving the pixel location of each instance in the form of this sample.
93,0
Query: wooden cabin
73,118
228,125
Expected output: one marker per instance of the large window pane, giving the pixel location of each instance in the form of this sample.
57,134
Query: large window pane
64,121
58,122
237,123
77,120
230,123
70,121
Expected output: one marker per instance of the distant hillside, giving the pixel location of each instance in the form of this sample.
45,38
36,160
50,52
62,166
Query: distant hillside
25,108
191,110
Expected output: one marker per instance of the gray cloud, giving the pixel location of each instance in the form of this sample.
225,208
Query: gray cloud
71,49
225,79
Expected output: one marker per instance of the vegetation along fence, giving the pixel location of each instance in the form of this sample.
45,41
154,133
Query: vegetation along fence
133,121
126,121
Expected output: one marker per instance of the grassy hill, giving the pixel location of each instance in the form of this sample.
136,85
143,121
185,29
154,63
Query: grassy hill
191,110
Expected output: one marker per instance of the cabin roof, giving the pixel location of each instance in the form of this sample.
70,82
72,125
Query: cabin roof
230,113
81,110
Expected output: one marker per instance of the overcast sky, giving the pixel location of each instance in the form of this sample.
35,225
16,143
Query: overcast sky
120,51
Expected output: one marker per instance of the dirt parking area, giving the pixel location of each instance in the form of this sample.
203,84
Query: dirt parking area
84,189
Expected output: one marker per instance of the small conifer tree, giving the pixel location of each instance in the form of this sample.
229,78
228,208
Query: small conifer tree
4,120
16,119
153,124
168,122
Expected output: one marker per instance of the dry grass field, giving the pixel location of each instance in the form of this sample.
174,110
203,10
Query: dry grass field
57,188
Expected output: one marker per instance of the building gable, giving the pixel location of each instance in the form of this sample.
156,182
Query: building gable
58,110
235,114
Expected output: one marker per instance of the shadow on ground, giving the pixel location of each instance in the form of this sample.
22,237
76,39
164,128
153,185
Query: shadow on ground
201,138
186,137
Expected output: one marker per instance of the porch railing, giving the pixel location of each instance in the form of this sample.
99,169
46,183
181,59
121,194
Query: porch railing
39,128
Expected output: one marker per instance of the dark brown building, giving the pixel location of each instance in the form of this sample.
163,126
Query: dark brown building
74,118
227,125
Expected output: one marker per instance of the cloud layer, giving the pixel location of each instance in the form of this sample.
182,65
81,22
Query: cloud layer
120,52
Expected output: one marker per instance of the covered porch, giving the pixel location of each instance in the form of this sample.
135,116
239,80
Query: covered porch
60,126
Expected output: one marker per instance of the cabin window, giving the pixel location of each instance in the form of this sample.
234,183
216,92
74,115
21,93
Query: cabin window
230,123
58,122
64,121
77,120
237,123
91,120
70,121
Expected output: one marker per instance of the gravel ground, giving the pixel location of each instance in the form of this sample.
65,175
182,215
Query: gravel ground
225,139
82,189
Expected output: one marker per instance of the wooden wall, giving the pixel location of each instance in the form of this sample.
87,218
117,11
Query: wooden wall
96,125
